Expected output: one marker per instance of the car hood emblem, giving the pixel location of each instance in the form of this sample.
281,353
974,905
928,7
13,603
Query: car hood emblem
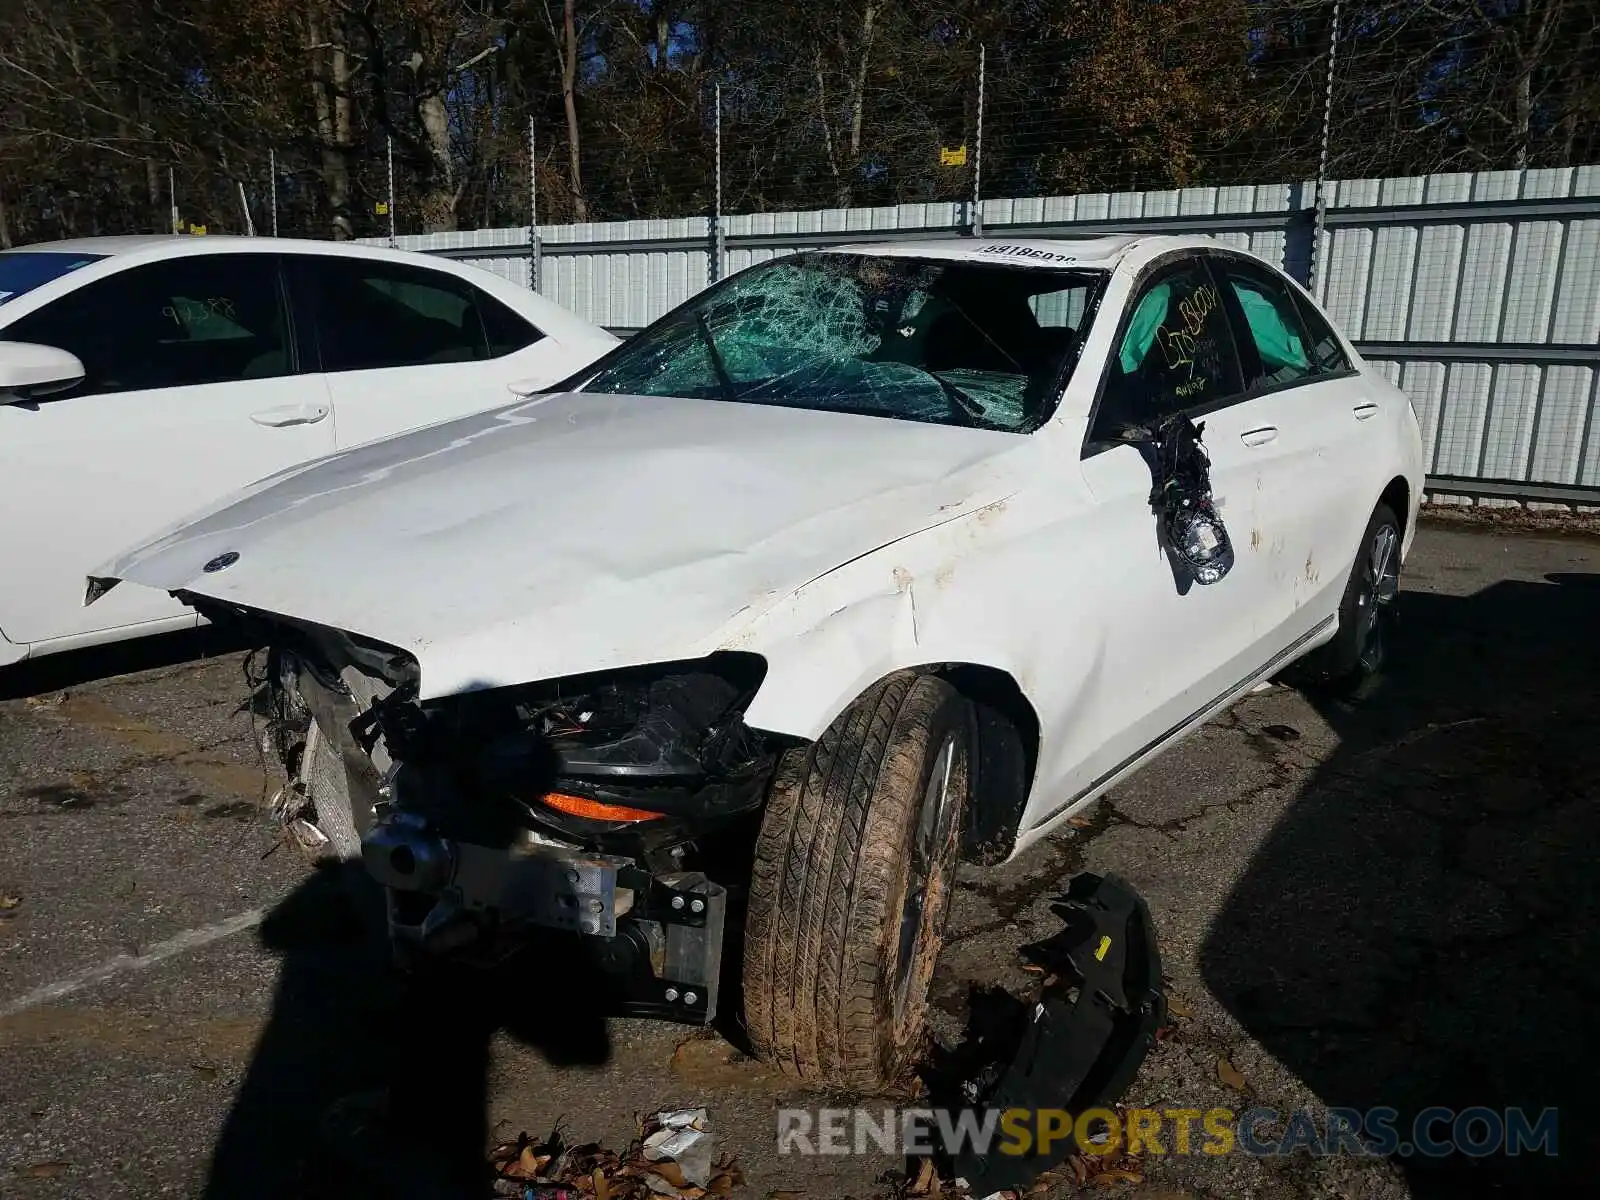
221,562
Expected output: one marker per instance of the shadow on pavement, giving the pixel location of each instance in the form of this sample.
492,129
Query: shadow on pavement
368,1083
73,668
1420,928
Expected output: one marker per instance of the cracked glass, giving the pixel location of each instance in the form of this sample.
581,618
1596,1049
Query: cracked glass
948,342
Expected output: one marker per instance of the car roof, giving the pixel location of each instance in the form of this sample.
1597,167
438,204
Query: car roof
151,245
1100,251
120,252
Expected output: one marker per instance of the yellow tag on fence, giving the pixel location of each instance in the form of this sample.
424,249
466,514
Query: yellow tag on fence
381,209
197,230
953,158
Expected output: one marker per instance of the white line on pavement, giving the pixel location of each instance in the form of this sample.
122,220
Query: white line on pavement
189,939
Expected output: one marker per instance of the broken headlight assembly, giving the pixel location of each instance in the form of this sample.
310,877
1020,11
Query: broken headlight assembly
588,805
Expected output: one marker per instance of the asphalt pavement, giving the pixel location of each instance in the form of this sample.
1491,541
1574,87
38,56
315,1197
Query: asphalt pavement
1387,903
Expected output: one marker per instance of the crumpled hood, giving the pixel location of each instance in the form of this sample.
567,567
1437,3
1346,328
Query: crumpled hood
576,532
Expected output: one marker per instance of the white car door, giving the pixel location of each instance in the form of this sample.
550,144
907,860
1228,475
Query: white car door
1173,646
190,391
1315,445
404,345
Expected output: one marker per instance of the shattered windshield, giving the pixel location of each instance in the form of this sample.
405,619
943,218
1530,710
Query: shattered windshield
978,344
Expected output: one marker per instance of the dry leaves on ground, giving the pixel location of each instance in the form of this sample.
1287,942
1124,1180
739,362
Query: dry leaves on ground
549,1169
1231,1075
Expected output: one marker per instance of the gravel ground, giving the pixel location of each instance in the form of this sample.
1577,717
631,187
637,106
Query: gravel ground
1382,904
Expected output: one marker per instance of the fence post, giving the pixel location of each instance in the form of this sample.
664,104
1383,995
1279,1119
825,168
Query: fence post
244,207
535,251
389,141
272,179
172,197
718,247
1319,202
977,155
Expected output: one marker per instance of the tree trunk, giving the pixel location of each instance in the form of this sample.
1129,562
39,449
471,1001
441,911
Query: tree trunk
439,202
1523,120
859,94
858,103
569,99
330,85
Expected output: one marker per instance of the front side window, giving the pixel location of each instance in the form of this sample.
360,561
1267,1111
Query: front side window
1272,328
1176,353
183,322
373,314
946,342
23,270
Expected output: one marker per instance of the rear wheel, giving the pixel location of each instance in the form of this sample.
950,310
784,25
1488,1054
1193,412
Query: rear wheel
851,885
1367,612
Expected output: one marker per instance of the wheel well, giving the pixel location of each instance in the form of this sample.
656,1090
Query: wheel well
1007,753
1398,497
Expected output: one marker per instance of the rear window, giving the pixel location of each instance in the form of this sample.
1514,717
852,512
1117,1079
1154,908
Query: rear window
23,270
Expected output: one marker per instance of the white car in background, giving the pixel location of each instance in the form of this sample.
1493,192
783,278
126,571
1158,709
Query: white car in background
858,563
142,377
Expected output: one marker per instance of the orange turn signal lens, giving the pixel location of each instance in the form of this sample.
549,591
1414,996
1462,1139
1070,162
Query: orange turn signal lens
594,810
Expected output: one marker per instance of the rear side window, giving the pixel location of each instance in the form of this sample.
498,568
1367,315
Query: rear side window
1327,355
379,314
1273,341
199,319
1176,353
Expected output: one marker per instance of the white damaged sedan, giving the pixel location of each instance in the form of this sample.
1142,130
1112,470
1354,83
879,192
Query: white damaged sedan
859,563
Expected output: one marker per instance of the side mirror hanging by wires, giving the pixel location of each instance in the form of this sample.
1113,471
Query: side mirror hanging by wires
1181,497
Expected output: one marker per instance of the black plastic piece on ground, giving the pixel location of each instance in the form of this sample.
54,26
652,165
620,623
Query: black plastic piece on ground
1080,1051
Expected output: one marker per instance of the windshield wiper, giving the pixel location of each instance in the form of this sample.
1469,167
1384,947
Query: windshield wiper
717,364
964,402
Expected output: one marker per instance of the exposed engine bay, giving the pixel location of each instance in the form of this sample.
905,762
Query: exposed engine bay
592,805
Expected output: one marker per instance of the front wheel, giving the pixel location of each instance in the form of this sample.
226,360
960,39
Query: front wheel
1367,612
851,886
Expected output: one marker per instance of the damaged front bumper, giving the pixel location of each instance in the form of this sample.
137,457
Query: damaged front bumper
607,808
664,931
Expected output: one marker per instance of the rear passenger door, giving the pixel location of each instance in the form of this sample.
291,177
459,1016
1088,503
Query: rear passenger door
405,346
1298,391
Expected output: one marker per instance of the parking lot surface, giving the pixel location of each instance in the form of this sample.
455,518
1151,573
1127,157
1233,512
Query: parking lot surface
1387,903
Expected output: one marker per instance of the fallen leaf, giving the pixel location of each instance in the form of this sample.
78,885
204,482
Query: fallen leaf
926,1180
602,1189
1080,821
671,1172
720,1185
1033,968
43,1170
1176,1005
208,1073
1230,1075
1117,1175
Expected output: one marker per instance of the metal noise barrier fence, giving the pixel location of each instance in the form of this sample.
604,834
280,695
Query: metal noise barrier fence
1478,293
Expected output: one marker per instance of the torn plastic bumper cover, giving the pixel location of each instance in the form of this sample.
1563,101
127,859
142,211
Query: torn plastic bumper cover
1086,1037
578,805
584,805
